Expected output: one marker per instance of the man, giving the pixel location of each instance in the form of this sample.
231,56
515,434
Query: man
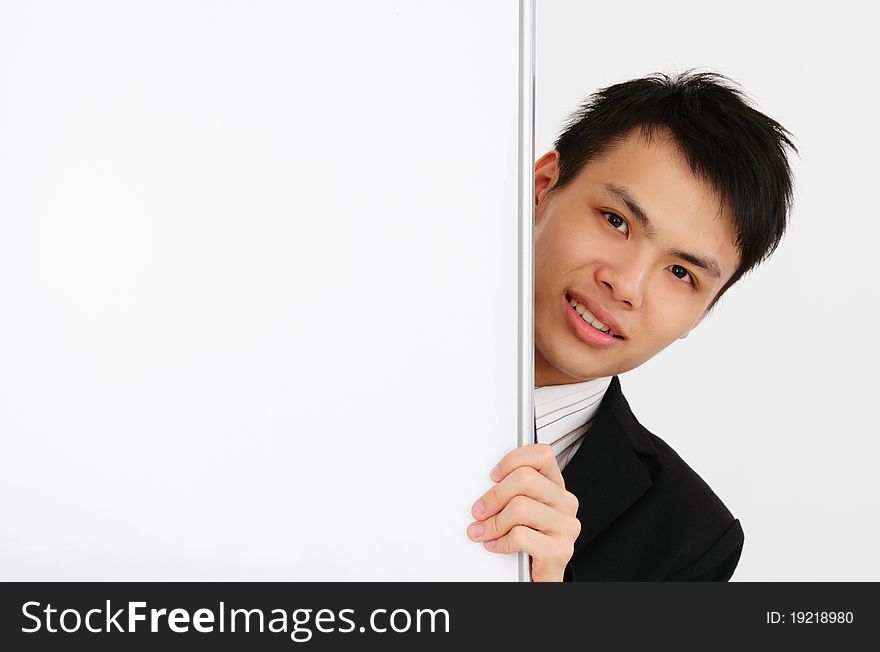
659,195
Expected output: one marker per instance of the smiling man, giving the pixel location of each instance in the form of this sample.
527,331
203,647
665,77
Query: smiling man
659,195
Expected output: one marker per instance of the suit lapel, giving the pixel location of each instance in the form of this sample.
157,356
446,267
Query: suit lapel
605,473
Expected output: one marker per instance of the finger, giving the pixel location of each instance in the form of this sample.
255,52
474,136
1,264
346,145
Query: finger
540,546
523,539
524,481
522,510
538,456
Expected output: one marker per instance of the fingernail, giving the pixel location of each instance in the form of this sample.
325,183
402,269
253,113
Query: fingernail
495,474
490,544
476,529
478,509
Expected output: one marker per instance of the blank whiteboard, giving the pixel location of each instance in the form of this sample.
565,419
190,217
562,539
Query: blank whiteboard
258,278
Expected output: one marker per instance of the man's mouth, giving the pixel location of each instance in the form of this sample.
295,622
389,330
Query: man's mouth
590,318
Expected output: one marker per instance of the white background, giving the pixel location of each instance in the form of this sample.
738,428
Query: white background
258,279
771,398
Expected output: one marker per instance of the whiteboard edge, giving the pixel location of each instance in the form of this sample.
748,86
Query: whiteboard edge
526,158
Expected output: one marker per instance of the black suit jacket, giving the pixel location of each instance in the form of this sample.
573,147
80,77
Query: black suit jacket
645,514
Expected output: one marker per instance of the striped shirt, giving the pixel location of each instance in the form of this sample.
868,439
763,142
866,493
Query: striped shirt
564,413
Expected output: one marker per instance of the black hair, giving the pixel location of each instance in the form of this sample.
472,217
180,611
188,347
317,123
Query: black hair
729,144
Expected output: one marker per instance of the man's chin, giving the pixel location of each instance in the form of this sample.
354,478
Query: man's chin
566,367
564,374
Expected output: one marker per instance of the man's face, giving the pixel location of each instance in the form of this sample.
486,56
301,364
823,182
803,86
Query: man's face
642,280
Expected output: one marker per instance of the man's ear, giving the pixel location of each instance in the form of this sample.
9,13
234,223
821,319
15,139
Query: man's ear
546,174
695,324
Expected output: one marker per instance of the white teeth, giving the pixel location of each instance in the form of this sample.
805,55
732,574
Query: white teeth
589,317
600,325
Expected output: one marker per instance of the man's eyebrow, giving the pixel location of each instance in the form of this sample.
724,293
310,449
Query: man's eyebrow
623,194
708,264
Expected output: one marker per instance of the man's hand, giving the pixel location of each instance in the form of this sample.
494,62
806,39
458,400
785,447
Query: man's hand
529,510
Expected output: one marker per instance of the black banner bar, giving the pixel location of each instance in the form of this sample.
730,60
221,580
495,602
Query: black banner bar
347,615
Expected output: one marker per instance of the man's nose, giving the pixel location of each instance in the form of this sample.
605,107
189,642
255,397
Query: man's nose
624,281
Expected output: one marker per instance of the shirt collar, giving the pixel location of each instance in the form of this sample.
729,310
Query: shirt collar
560,409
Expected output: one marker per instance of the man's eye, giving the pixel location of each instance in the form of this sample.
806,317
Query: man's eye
682,273
617,221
